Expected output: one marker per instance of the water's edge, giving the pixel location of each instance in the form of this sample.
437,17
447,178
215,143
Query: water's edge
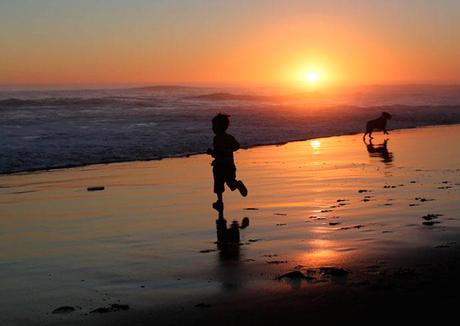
71,166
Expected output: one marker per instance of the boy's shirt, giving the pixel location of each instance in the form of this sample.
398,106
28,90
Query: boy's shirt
224,146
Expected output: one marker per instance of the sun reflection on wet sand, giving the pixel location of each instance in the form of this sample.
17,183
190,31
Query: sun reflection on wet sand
315,144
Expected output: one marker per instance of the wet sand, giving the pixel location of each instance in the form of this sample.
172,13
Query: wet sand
386,218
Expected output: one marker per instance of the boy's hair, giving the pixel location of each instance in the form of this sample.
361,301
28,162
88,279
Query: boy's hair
221,121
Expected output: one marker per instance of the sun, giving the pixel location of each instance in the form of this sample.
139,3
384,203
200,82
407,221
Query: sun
311,77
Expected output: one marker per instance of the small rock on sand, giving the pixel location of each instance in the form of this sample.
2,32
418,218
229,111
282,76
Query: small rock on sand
277,262
64,310
430,217
333,271
421,199
113,307
442,246
352,227
430,223
295,275
117,307
205,251
101,310
447,245
97,188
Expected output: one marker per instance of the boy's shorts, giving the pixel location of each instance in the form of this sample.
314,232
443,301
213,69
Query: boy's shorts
222,175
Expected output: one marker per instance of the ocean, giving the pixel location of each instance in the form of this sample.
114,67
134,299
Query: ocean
64,128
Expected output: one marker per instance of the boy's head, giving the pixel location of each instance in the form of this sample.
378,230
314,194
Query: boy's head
386,115
220,123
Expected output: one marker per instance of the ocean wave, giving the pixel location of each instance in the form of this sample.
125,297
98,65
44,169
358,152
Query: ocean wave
231,97
77,101
42,132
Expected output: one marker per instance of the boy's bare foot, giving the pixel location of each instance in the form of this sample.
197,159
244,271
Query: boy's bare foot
242,188
218,206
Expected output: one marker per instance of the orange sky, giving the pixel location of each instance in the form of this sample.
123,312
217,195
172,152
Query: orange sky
258,42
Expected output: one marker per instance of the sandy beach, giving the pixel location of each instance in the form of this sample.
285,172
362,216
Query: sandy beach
373,228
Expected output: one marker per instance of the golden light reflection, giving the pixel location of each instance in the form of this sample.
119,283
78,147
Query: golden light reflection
322,252
315,144
322,256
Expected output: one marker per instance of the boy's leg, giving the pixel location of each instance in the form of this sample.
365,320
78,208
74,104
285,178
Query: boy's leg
237,184
219,181
242,188
219,204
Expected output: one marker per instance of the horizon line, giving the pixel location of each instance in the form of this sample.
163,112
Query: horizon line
133,85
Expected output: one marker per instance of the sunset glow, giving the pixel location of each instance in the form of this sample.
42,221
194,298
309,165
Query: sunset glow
94,42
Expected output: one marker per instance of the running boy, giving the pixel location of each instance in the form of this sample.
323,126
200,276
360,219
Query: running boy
224,169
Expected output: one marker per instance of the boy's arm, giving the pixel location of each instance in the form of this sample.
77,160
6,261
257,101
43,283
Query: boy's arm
235,145
210,151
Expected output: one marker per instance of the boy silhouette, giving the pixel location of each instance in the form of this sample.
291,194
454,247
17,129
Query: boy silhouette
223,166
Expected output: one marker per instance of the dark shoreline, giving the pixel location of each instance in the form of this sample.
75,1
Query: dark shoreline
69,166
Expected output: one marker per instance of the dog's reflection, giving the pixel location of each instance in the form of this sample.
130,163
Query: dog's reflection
379,151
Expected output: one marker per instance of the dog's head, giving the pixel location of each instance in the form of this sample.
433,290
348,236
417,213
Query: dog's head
386,115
